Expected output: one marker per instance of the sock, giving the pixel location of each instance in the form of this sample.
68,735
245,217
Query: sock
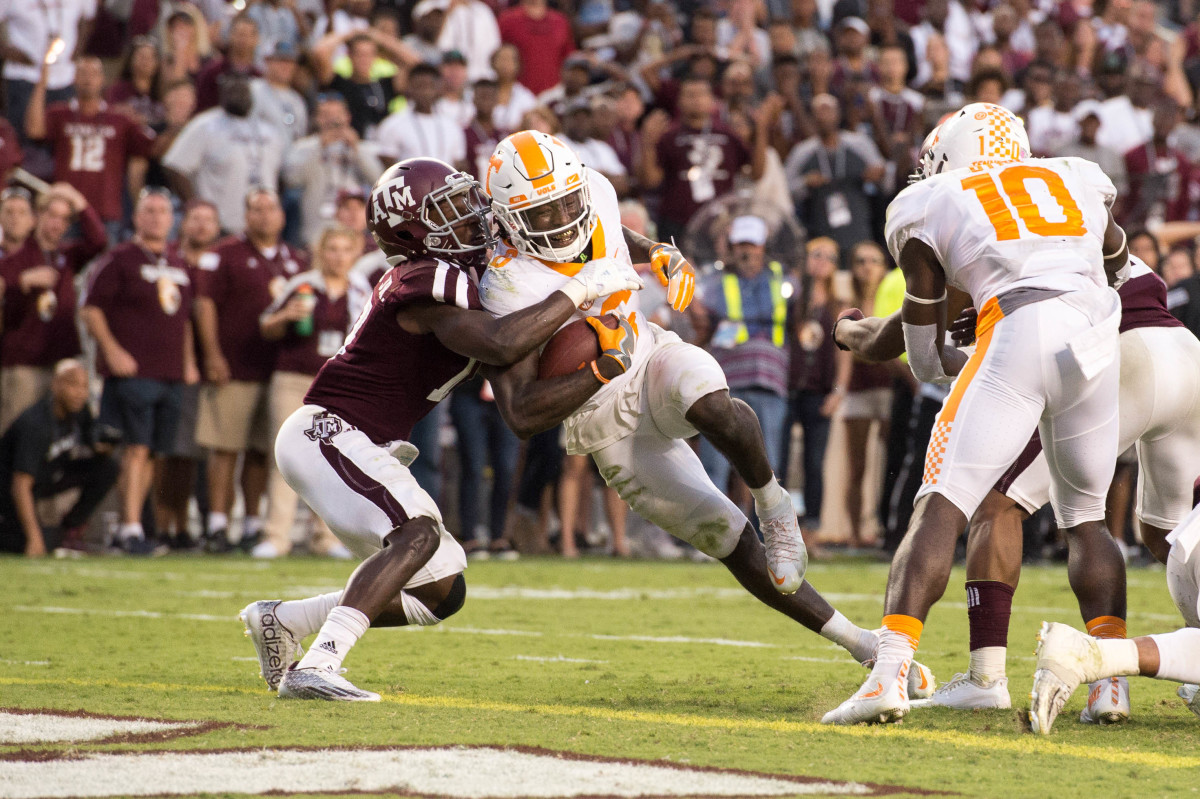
341,631
769,495
305,616
989,605
1106,627
858,642
1178,655
1118,658
899,639
251,526
129,531
217,522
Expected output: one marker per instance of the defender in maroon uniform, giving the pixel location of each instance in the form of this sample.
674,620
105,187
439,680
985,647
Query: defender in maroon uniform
422,332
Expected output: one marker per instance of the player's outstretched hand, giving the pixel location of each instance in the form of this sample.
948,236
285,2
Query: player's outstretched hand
600,278
674,272
962,329
615,343
854,315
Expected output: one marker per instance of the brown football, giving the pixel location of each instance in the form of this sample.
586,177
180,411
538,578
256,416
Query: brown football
572,348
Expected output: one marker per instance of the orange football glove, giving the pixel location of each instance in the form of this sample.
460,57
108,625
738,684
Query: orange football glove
617,344
674,272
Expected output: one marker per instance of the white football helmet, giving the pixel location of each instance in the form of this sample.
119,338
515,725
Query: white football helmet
925,166
981,133
540,197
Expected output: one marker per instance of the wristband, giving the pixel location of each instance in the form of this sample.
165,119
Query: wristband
600,377
922,300
575,291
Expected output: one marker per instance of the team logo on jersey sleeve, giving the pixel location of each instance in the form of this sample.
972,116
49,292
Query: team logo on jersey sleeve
324,427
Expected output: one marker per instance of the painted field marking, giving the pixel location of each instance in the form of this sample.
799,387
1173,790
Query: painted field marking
556,659
33,728
453,771
26,662
1025,744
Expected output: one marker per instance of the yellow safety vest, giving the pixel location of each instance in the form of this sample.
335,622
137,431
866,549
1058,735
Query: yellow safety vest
733,305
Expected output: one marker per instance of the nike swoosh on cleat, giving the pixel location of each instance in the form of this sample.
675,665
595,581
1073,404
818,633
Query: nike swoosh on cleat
877,692
924,681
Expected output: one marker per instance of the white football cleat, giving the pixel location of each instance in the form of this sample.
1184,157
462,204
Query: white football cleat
321,683
275,645
921,683
964,693
882,699
1190,694
1065,658
1108,702
787,557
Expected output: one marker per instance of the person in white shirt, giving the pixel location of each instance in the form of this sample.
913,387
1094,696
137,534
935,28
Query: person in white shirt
471,29
274,100
418,131
456,101
224,152
330,160
30,28
598,155
514,99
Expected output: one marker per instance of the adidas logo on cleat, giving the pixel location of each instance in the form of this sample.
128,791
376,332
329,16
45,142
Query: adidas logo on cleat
328,646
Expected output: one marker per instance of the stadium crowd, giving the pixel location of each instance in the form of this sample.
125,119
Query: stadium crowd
184,231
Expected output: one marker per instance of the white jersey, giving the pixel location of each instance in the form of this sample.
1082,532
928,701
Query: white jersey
514,281
1037,223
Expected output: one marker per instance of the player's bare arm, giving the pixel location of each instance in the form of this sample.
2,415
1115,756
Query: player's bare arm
1116,253
923,315
497,341
878,339
530,405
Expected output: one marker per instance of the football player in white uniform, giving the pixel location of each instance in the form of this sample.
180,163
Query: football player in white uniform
1034,245
648,392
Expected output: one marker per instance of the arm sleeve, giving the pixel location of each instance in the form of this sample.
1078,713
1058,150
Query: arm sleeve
104,284
140,140
209,276
187,151
93,242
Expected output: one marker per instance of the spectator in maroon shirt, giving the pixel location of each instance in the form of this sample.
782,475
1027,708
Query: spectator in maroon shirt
309,319
16,221
39,305
11,154
198,231
96,149
694,160
543,38
238,280
138,309
238,59
1159,174
137,88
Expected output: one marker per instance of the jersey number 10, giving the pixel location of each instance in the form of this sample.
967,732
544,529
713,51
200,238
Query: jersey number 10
1012,182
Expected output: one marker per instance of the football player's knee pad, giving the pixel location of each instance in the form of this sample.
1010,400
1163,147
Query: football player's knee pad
1183,581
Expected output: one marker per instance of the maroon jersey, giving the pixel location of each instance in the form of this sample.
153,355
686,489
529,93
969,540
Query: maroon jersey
385,379
91,152
1144,301
147,301
1159,183
330,322
39,327
698,166
242,281
10,148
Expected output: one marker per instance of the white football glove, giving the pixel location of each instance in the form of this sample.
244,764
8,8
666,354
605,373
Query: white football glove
600,278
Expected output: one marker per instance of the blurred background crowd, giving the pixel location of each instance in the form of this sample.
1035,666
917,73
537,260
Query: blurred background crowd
184,241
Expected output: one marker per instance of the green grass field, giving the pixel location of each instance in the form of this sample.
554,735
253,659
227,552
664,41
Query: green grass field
642,660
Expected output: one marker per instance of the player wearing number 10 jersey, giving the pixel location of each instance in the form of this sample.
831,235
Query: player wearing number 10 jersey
422,332
1034,245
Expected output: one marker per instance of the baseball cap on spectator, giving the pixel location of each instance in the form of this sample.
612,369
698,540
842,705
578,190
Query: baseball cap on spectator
1113,62
284,51
855,23
359,193
1087,108
748,230
577,61
583,104
427,6
453,57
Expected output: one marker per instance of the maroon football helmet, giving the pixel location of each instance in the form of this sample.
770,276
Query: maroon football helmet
425,207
